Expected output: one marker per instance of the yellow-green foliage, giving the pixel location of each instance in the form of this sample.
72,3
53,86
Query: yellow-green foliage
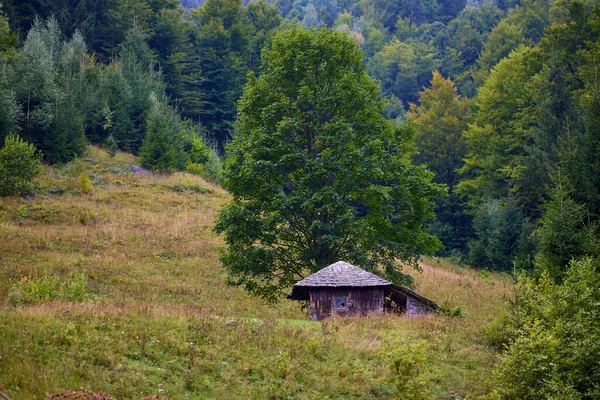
85,184
552,337
158,313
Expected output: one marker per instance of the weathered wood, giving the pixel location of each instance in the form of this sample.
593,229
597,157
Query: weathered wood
413,307
359,301
358,292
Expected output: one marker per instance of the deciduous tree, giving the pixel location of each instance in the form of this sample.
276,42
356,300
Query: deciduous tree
441,119
316,172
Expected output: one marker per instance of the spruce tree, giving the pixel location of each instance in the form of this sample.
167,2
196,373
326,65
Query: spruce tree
163,147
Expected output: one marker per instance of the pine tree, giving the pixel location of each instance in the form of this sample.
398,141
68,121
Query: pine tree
19,165
138,63
51,121
561,234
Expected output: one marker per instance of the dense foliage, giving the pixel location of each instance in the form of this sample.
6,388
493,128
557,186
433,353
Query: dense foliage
316,175
552,337
19,165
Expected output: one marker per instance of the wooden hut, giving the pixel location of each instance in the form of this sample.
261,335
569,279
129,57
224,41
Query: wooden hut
343,289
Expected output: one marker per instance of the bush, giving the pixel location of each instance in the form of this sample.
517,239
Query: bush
552,338
452,311
20,163
211,170
36,212
407,361
85,184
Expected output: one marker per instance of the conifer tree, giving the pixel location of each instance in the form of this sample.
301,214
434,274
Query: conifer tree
163,146
138,63
19,165
222,44
52,119
561,235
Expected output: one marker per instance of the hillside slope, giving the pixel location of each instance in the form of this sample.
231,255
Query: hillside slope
119,290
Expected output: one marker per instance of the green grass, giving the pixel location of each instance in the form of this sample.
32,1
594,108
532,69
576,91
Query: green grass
157,318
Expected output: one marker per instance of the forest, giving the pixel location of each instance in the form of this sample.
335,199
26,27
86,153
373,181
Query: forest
487,111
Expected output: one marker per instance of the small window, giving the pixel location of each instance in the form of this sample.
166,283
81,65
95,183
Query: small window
341,302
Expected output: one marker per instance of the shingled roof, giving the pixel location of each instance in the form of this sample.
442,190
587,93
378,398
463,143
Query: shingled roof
340,274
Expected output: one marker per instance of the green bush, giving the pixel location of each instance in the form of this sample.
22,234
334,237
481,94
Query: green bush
20,163
452,311
407,361
36,212
551,338
213,169
203,160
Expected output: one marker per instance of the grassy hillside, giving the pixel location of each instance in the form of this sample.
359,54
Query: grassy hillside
119,290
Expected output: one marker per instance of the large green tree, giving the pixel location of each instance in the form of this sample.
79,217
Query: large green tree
498,140
441,119
317,173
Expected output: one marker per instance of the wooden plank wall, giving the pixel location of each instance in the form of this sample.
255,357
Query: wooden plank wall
414,307
361,301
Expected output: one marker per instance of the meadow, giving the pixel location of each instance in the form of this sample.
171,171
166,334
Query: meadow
110,280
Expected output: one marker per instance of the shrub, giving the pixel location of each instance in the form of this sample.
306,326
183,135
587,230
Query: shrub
85,217
20,163
204,161
187,186
213,169
36,212
451,311
85,184
552,338
407,361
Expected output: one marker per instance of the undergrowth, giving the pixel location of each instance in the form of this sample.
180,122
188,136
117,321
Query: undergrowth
32,290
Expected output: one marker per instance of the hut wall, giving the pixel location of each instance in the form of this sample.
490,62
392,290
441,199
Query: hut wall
360,301
414,307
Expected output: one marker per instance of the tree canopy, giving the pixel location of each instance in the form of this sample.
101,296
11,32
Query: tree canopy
317,173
